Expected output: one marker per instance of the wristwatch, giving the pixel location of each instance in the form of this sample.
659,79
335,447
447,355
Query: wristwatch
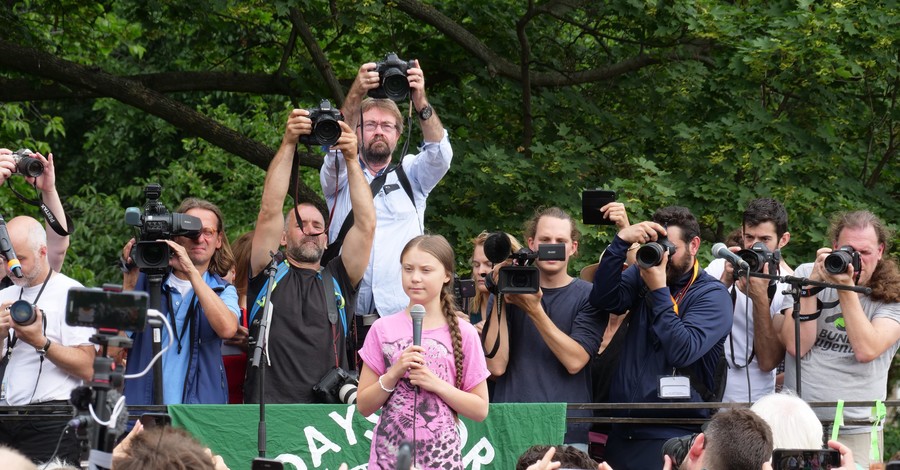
43,351
426,112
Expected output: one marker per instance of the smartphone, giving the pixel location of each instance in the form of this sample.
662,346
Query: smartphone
261,463
591,202
798,459
155,420
98,308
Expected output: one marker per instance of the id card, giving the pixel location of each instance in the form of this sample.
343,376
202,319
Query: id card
674,387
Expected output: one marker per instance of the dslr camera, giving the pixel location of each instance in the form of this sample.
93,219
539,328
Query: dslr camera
156,224
325,127
26,165
677,448
336,387
23,312
758,256
392,77
651,254
521,277
839,260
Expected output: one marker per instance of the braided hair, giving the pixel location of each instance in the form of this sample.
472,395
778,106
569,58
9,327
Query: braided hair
437,246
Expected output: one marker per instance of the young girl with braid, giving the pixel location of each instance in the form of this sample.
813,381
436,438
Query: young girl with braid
448,369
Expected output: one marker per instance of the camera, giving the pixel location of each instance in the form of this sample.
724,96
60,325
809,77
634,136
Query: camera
651,254
839,260
22,312
798,459
392,76
103,309
325,127
157,223
337,386
758,256
463,288
521,277
27,165
677,448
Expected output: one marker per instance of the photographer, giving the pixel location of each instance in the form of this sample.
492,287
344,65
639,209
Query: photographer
547,338
679,319
847,340
401,189
45,183
759,308
304,345
202,309
44,357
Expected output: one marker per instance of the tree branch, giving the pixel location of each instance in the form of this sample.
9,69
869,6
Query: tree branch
318,57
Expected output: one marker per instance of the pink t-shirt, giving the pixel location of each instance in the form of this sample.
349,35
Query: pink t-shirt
438,445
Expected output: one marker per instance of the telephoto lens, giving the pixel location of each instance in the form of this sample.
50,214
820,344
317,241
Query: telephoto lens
22,312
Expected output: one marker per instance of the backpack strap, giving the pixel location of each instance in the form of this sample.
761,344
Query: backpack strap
260,301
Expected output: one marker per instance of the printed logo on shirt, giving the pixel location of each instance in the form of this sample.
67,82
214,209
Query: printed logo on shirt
834,341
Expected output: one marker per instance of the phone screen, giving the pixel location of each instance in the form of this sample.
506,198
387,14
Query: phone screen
799,459
155,420
592,200
98,308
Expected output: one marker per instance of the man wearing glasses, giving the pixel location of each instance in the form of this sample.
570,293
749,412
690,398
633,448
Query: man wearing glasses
202,309
400,190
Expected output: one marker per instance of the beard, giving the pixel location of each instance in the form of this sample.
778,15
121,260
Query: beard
378,152
675,270
304,252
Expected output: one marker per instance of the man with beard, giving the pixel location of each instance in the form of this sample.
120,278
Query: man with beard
399,195
202,309
847,340
305,339
680,316
44,359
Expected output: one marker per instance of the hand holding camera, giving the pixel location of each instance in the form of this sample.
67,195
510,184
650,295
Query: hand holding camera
298,124
840,266
26,318
24,162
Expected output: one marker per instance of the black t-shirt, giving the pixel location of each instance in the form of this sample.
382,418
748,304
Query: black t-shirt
303,344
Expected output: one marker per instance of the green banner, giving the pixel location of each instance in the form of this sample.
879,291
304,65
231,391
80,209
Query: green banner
324,436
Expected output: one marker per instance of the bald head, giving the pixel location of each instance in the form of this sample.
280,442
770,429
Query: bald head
29,240
13,460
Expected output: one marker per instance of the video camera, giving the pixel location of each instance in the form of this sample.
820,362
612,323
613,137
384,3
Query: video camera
392,76
27,165
325,127
758,256
521,277
157,223
839,260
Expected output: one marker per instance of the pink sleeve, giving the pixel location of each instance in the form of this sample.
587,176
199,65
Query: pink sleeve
371,351
475,368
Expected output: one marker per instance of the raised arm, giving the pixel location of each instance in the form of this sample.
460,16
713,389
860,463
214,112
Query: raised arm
270,221
46,183
358,244
366,79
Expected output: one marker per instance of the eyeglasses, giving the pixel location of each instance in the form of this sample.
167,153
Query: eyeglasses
208,232
370,126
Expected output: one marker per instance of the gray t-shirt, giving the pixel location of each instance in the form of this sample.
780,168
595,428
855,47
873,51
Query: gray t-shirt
830,371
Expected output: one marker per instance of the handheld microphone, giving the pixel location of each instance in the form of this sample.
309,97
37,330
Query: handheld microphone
6,249
417,312
404,456
719,250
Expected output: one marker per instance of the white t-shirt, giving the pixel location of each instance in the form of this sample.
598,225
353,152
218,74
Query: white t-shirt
736,348
830,371
22,378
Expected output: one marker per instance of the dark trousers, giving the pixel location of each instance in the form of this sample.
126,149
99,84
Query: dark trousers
37,437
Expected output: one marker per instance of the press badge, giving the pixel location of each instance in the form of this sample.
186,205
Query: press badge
674,387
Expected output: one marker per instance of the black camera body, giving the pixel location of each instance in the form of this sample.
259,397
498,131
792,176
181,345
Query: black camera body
839,260
26,165
156,224
521,277
651,254
677,448
336,387
392,78
325,127
22,312
758,256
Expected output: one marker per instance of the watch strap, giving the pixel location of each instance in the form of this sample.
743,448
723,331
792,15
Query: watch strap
426,112
43,350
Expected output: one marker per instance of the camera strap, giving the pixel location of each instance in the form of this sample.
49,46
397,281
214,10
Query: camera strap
328,285
188,320
51,219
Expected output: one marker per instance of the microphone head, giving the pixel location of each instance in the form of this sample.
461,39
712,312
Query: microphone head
417,312
717,248
497,247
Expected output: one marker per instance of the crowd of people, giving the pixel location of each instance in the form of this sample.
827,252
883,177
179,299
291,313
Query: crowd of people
646,324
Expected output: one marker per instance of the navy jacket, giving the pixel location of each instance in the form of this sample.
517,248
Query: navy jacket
659,341
205,381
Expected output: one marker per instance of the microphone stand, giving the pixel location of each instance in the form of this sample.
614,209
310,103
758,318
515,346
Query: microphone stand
796,284
260,358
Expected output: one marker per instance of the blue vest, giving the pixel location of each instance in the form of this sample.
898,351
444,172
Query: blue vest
205,381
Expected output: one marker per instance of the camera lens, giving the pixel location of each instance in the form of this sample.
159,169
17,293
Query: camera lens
151,254
649,255
22,312
29,166
395,84
327,130
838,262
347,393
755,261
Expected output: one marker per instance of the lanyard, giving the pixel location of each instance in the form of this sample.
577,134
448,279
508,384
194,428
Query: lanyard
189,300
12,340
680,295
